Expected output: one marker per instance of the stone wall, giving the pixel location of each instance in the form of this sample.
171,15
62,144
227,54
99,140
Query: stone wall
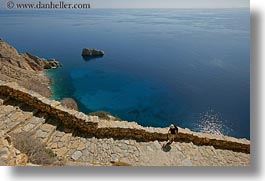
93,126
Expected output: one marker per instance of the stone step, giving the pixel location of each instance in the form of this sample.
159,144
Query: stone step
12,106
5,111
15,119
27,114
45,131
8,110
30,126
56,125
59,142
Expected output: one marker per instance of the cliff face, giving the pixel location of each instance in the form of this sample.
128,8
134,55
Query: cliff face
25,69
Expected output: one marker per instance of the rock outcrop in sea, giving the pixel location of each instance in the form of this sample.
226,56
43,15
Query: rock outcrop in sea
25,69
91,52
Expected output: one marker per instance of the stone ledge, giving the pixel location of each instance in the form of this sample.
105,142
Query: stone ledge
94,126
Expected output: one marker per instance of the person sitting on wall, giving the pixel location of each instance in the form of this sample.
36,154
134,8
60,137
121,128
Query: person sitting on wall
171,136
172,133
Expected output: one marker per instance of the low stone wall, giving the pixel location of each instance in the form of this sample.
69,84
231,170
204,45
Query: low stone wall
131,130
93,126
70,118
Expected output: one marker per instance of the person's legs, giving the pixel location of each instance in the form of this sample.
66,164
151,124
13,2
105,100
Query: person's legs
171,138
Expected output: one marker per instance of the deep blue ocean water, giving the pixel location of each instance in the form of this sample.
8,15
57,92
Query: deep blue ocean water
184,66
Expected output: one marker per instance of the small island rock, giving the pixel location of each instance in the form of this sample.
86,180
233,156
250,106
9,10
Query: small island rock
92,52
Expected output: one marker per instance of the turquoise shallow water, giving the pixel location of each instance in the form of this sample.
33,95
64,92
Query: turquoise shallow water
189,67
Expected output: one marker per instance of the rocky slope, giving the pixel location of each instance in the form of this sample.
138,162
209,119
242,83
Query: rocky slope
25,69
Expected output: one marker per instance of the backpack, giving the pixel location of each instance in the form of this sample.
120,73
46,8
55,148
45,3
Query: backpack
176,130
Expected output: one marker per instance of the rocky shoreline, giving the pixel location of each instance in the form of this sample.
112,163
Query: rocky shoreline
25,69
29,71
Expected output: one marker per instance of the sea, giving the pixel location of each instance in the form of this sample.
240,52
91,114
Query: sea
189,67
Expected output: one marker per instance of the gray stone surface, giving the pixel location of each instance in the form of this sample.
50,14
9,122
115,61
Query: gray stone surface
76,155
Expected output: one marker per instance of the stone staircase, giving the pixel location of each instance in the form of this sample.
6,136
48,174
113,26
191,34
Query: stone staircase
77,149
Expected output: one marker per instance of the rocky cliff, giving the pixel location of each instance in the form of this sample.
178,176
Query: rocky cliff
25,69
